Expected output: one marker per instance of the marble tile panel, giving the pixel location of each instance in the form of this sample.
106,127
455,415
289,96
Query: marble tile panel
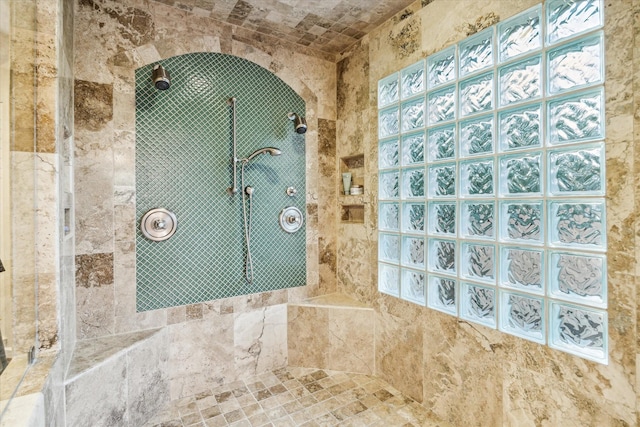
148,378
94,352
124,109
196,365
260,340
94,314
398,357
461,365
94,271
307,344
93,176
124,223
99,397
351,340
140,321
93,105
531,398
124,276
245,303
124,156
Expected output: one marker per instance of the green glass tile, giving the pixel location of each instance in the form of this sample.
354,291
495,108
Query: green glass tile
183,163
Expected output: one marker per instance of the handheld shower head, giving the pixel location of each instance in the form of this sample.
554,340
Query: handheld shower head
270,150
299,123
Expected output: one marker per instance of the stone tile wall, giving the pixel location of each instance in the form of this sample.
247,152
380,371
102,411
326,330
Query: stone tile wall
213,342
464,373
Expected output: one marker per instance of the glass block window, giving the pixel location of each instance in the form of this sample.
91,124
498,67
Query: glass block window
492,203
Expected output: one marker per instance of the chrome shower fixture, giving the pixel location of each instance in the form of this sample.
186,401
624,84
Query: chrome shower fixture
270,150
161,78
299,122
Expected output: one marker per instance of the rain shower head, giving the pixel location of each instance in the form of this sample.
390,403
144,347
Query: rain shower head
161,78
299,122
270,150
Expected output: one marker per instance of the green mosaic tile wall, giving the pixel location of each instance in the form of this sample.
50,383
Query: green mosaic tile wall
183,164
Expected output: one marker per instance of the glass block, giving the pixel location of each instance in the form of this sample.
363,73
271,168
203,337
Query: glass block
388,90
413,217
442,218
388,122
389,279
476,94
388,185
442,256
520,34
476,52
442,142
578,224
476,136
389,247
576,118
388,216
413,148
413,114
522,269
476,178
442,294
578,278
566,18
413,286
412,80
520,128
577,171
388,154
412,252
442,180
576,65
522,316
441,67
520,82
522,221
579,331
478,262
521,175
478,304
441,105
477,220
413,183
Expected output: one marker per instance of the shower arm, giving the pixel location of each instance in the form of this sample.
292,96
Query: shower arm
233,189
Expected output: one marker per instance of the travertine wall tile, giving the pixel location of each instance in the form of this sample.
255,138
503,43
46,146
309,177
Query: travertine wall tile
307,344
399,359
351,340
260,340
473,375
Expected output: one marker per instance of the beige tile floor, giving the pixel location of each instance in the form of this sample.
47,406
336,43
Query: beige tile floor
297,397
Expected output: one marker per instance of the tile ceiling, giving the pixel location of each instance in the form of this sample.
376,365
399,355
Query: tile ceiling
329,26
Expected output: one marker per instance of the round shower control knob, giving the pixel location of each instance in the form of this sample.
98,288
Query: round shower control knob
291,219
158,224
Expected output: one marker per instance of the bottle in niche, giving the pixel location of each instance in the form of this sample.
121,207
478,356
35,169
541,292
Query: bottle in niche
346,182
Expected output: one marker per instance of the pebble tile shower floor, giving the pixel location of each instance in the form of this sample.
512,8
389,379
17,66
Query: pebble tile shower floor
297,397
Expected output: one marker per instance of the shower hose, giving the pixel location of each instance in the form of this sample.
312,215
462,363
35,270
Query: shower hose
247,192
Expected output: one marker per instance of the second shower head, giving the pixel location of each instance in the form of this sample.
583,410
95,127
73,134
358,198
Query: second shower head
299,122
161,78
